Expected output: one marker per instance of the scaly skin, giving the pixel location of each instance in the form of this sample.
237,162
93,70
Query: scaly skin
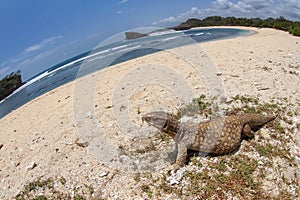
218,136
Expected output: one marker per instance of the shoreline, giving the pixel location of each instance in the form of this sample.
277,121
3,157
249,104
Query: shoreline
6,107
254,31
42,138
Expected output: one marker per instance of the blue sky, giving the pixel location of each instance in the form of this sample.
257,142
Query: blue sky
36,35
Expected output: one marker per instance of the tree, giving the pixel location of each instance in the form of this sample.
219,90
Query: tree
10,83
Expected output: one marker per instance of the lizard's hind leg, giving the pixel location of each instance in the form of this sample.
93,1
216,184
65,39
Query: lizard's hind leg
248,131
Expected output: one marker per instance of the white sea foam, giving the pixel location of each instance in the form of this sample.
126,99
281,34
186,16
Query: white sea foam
170,38
102,52
129,48
163,32
82,59
51,73
94,58
198,34
31,81
119,47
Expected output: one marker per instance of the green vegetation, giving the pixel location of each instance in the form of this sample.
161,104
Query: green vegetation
51,188
246,174
279,23
201,105
9,84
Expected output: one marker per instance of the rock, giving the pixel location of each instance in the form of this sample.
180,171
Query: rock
9,84
218,73
103,174
81,143
175,178
32,165
263,88
89,115
297,159
234,75
296,121
229,100
190,23
134,35
1,145
173,182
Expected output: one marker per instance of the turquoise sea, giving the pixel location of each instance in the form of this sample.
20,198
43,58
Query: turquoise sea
105,55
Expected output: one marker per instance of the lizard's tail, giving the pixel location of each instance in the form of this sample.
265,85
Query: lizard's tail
259,120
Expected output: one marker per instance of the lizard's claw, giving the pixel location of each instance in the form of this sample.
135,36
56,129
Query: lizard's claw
172,168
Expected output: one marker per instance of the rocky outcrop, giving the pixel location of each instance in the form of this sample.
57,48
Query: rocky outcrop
190,23
9,84
134,35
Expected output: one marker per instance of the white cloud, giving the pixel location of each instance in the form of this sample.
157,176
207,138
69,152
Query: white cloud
42,44
169,20
290,9
33,48
30,55
222,4
258,4
182,17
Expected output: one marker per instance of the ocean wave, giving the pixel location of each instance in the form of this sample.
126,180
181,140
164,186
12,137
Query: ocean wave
170,38
119,47
163,32
129,48
92,59
31,81
198,34
100,55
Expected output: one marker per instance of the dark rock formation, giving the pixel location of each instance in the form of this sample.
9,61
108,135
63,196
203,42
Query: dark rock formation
190,23
134,35
9,84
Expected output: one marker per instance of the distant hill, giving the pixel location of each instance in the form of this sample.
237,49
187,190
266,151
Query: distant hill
293,27
279,23
9,84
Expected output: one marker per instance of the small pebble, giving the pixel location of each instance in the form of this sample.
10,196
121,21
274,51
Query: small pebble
103,174
32,165
89,115
173,182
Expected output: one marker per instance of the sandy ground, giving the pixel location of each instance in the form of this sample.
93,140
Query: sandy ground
58,134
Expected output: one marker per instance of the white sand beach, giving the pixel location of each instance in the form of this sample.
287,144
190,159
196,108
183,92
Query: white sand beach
46,139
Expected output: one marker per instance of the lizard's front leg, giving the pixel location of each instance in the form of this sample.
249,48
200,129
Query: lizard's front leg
181,156
172,155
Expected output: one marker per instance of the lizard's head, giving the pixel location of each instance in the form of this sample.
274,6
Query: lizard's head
158,119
